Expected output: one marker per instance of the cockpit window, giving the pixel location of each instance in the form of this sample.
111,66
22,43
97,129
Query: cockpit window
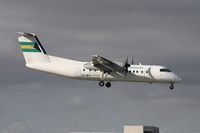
165,70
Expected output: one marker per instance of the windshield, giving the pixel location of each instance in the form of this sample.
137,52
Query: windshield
165,70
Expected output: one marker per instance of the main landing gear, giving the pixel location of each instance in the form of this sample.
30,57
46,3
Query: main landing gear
101,83
171,86
108,84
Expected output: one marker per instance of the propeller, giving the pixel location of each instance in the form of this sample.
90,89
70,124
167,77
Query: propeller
132,62
126,65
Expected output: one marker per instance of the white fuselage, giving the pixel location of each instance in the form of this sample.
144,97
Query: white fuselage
76,70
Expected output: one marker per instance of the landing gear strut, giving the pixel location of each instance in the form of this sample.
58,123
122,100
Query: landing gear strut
171,86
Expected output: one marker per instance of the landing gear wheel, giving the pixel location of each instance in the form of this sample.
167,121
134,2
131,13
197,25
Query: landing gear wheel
108,84
171,86
101,83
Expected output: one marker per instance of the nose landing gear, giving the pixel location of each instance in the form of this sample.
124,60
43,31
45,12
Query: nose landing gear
171,86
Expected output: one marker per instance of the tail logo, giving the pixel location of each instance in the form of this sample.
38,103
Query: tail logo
29,47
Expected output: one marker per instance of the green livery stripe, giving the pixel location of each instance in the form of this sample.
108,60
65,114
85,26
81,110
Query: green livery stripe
27,43
30,50
29,47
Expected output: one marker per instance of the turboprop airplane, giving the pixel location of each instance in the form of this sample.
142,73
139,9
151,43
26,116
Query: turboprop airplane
98,68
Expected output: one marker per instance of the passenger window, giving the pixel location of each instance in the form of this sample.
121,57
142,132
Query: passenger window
141,71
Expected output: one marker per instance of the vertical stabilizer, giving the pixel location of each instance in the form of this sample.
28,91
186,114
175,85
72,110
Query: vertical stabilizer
32,49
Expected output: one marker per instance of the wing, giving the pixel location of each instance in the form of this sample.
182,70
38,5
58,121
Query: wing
104,65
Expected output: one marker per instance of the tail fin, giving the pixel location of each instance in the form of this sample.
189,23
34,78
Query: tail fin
32,49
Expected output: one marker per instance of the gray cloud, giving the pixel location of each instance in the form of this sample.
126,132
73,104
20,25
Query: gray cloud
155,32
18,127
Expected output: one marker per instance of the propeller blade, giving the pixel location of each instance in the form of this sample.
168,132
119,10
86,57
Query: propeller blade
126,62
132,62
126,65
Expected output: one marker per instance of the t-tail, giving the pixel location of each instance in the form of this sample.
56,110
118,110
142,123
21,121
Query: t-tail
32,49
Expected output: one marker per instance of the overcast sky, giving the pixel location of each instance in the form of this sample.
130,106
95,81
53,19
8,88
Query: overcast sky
163,32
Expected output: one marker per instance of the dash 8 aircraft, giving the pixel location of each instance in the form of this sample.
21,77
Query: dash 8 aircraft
98,68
